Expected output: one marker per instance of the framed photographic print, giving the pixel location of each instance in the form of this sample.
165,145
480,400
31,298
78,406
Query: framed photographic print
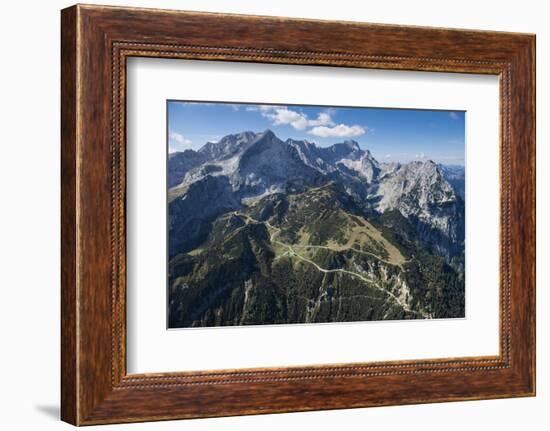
265,215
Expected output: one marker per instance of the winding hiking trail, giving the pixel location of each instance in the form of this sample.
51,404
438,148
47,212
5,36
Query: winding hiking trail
368,253
273,230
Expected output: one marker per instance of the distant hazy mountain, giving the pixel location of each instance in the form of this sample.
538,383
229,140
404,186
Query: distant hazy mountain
455,175
269,231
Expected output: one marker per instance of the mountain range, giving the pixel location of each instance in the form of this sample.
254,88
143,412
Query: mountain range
265,231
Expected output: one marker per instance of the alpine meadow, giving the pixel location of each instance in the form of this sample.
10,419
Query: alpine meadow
287,214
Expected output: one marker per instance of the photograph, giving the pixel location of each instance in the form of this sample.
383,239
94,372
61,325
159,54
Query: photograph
303,214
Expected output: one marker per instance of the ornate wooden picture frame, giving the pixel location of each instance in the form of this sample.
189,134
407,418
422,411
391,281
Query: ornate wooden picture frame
96,41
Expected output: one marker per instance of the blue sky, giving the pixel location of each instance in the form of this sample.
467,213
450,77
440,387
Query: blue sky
390,134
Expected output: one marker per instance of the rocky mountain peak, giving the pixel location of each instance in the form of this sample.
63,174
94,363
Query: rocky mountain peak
426,169
260,164
368,158
354,145
268,133
420,192
181,162
423,178
227,146
344,150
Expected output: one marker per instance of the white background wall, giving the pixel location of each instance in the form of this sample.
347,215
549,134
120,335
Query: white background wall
29,216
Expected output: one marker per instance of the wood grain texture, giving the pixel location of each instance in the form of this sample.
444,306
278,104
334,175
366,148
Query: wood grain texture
96,41
69,397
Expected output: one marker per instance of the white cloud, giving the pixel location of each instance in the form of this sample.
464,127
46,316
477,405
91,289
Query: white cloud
420,156
281,115
453,116
178,142
340,130
322,125
323,119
